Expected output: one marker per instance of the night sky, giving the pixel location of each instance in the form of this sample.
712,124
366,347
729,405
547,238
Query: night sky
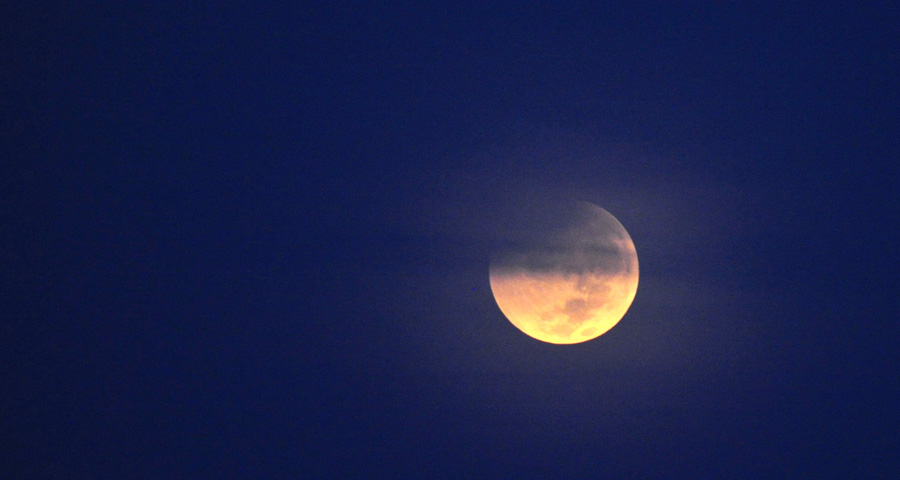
252,240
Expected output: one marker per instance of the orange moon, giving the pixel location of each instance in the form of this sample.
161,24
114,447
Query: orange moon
570,283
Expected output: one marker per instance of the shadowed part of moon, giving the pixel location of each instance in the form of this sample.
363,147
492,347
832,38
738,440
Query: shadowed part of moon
570,284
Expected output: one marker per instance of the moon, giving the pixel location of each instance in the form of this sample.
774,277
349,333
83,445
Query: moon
568,281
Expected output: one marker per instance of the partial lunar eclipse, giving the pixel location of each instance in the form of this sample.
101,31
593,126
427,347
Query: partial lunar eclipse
570,283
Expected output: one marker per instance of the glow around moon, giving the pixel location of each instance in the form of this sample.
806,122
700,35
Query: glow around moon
571,283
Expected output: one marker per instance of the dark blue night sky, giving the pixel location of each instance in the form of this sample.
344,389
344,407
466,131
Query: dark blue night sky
252,240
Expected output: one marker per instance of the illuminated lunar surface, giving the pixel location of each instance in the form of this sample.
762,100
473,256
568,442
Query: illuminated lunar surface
570,284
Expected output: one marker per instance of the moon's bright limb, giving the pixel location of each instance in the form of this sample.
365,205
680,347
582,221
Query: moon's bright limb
572,284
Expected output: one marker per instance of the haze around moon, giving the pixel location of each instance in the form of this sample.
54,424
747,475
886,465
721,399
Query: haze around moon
570,283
